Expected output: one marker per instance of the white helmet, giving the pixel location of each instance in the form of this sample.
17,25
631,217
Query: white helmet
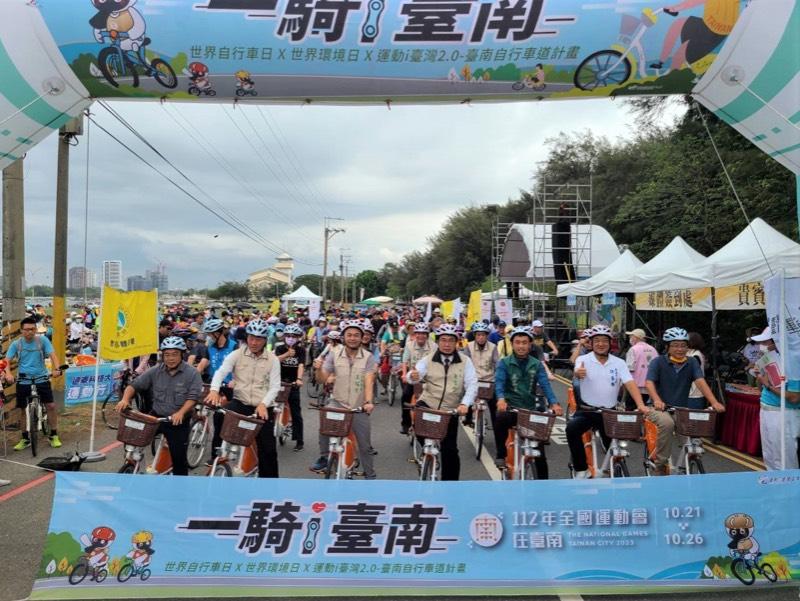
366,326
447,330
479,326
213,325
521,331
673,334
293,330
173,342
334,335
600,330
421,328
351,323
257,327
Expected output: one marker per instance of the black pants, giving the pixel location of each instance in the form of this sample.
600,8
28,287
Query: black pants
297,413
216,440
579,423
178,441
503,423
265,441
405,413
448,448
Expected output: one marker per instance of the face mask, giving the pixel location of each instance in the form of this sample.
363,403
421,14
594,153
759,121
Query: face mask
763,348
291,341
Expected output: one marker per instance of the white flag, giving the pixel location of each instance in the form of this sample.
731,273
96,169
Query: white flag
313,309
791,319
428,313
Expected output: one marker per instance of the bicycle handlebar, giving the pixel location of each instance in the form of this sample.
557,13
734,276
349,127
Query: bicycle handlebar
23,376
356,410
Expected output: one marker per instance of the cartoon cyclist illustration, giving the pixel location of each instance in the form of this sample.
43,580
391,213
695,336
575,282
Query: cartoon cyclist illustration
115,17
97,547
740,528
142,549
244,84
200,82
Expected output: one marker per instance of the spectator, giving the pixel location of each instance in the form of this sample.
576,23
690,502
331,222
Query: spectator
752,352
696,345
638,358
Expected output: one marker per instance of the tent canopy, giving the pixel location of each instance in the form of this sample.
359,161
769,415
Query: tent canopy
617,277
377,300
301,294
677,254
527,252
428,299
738,262
524,293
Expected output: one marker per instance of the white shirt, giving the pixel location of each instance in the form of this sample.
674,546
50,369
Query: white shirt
601,385
470,378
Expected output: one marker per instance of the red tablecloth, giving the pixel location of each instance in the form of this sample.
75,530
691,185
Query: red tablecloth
741,429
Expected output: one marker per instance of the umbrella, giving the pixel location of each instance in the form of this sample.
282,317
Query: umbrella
428,299
378,300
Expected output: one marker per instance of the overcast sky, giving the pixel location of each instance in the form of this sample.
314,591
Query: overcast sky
393,176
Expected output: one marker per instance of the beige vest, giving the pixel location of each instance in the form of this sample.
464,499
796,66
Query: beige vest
449,389
251,376
415,352
482,360
348,389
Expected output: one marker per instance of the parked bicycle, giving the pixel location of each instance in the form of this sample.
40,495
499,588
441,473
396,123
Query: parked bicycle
36,413
137,431
691,425
116,63
337,424
431,425
238,455
523,446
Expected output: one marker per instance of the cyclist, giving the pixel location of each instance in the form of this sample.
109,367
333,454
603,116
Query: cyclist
256,383
175,388
414,350
31,351
142,549
292,357
542,340
601,376
500,339
351,368
334,338
316,338
484,357
516,379
448,381
669,380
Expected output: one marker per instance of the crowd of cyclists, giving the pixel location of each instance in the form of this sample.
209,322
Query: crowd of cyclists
244,359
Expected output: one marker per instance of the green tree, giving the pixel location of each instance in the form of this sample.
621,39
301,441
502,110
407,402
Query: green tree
312,281
233,291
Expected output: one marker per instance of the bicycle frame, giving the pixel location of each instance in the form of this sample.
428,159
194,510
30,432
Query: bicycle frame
430,449
344,449
162,460
244,460
691,449
617,452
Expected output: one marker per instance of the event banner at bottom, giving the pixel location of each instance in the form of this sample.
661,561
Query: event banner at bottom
116,536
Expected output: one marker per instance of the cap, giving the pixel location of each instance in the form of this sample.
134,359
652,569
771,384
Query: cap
501,324
537,324
763,336
638,332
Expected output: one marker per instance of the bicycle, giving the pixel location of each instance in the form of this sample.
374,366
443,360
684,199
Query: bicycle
690,424
137,431
480,415
199,430
394,376
337,423
530,83
413,441
107,410
241,92
614,66
621,427
238,455
82,569
431,425
312,386
523,446
195,91
283,415
129,570
35,413
745,569
116,63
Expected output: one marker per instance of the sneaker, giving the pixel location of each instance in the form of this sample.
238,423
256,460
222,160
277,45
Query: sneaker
23,444
298,447
372,451
582,475
372,477
404,431
4,482
500,462
55,441
319,465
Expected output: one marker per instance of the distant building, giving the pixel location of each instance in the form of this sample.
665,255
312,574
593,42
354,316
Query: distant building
78,277
279,273
112,274
157,279
138,282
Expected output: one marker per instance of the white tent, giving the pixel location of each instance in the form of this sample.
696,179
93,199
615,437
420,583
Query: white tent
301,294
677,255
524,293
738,262
617,277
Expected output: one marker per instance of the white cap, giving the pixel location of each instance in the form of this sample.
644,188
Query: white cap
537,324
763,336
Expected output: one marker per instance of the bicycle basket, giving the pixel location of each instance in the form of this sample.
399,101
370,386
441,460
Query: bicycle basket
335,422
622,425
136,429
240,429
283,393
429,423
486,390
535,425
695,423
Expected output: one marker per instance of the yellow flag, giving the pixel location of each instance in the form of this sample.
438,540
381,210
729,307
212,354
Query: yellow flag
474,308
128,324
275,307
447,309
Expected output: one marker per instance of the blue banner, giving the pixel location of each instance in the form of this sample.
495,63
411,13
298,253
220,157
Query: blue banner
193,537
80,383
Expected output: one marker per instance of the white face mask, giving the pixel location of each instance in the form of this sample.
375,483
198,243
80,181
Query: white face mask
763,348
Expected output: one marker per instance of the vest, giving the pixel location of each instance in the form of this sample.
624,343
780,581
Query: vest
442,390
520,384
482,360
251,376
415,352
348,389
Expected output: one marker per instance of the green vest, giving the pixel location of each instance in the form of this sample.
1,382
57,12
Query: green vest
520,384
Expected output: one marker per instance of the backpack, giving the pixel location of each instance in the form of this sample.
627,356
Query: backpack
39,346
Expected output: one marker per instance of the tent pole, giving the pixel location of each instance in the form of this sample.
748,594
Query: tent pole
720,391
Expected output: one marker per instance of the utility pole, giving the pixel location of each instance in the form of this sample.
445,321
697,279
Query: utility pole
13,254
347,261
330,232
341,273
65,137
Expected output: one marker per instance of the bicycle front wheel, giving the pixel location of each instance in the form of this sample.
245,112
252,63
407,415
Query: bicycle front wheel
480,432
223,470
33,428
602,68
107,411
530,470
127,468
197,443
145,574
331,470
742,571
696,466
621,469
428,471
